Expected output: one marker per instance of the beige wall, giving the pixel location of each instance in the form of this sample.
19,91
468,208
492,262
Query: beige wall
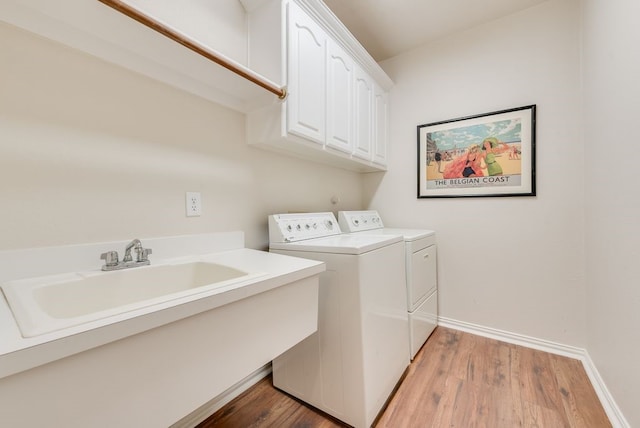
515,264
91,152
220,25
561,266
612,92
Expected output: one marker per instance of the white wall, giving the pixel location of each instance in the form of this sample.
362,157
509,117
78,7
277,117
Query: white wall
220,25
91,152
515,263
612,109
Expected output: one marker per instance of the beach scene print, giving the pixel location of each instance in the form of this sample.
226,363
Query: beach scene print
481,155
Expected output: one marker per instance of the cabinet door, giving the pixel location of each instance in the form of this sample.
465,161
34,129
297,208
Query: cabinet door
339,98
363,114
306,69
380,125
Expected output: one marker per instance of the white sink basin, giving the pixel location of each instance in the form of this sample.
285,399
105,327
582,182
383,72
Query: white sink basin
42,305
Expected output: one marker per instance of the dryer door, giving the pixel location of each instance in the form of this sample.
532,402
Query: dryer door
422,274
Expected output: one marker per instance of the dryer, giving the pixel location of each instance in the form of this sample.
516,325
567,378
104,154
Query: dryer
421,271
351,365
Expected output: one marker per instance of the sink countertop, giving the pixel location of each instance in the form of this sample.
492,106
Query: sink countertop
19,354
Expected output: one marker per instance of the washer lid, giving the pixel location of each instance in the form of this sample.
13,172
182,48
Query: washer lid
407,234
348,243
370,222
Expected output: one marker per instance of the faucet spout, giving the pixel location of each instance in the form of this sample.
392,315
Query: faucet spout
127,250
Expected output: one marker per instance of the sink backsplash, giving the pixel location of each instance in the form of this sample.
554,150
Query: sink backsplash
32,262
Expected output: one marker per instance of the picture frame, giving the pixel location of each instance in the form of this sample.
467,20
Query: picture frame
489,154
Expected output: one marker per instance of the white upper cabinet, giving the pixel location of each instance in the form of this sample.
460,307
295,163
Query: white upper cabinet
340,81
331,112
363,115
307,76
380,125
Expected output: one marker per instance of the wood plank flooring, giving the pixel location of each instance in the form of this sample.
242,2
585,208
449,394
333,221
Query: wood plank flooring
456,380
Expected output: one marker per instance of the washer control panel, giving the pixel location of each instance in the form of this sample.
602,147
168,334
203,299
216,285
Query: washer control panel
355,221
298,227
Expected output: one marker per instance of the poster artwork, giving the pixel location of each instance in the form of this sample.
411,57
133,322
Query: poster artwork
482,155
490,154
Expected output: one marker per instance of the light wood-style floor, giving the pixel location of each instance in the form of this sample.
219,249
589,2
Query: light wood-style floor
456,380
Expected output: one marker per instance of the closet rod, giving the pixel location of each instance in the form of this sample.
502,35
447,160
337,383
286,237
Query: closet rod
187,42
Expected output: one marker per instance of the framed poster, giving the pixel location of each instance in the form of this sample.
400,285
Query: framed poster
491,154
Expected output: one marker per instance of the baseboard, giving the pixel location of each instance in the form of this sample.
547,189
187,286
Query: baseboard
206,410
515,338
612,410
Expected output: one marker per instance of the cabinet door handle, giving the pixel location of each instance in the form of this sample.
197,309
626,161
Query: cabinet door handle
426,256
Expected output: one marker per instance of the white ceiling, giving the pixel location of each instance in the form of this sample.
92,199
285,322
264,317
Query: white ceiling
387,28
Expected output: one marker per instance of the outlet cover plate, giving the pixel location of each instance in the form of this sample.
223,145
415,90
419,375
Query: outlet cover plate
193,204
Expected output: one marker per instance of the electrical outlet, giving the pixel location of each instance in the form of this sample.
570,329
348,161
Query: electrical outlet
194,204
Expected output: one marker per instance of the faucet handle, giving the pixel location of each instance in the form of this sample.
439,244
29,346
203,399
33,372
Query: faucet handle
143,254
110,258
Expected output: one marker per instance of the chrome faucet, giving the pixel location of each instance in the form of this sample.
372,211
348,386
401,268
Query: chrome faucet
142,257
127,250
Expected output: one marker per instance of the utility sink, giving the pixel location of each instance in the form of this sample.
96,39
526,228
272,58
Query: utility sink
45,304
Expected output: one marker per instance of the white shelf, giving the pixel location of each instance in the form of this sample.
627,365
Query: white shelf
96,29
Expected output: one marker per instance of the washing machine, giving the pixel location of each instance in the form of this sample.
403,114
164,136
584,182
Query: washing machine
349,368
421,273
